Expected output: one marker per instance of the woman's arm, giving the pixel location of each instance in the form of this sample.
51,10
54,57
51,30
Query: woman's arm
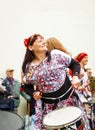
75,67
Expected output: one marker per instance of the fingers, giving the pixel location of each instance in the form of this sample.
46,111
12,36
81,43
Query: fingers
76,85
82,88
37,95
75,82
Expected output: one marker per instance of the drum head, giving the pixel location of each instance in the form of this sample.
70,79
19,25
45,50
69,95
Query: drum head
62,117
10,121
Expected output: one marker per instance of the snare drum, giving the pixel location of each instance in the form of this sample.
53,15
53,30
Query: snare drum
10,121
62,117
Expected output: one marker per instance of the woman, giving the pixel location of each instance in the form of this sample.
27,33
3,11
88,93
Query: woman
82,58
53,43
85,95
47,71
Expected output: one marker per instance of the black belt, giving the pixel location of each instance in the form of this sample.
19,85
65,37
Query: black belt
61,94
51,101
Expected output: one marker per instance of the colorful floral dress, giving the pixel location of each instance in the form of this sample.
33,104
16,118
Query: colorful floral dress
49,76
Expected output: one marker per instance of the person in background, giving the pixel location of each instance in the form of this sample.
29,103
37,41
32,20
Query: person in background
4,104
54,43
82,58
2,88
13,88
85,96
92,87
89,72
47,72
91,79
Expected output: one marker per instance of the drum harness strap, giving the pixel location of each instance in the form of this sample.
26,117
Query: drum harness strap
61,94
54,98
55,101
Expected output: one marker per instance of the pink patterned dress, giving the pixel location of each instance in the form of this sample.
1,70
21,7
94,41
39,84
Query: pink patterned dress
49,76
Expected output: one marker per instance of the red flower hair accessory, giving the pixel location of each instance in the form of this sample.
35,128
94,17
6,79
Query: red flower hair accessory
26,42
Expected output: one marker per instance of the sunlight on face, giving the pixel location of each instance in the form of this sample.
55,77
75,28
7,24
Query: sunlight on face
39,45
84,61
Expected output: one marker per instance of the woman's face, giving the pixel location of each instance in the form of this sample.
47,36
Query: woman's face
84,61
39,45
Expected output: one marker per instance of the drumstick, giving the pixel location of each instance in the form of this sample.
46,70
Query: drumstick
68,98
28,115
71,95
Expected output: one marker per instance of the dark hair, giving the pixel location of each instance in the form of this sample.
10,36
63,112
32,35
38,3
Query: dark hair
29,55
33,38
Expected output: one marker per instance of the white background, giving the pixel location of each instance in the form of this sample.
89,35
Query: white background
71,21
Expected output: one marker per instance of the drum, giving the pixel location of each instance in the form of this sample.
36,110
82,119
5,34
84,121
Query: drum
62,117
10,121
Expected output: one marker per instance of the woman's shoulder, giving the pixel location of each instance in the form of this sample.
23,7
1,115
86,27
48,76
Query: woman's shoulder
58,52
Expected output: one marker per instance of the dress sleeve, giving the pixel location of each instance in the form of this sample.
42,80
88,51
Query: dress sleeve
75,67
61,58
28,89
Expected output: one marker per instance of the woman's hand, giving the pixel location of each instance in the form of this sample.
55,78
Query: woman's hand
82,88
37,95
75,82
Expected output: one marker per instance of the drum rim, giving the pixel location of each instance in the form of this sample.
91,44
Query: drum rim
65,125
